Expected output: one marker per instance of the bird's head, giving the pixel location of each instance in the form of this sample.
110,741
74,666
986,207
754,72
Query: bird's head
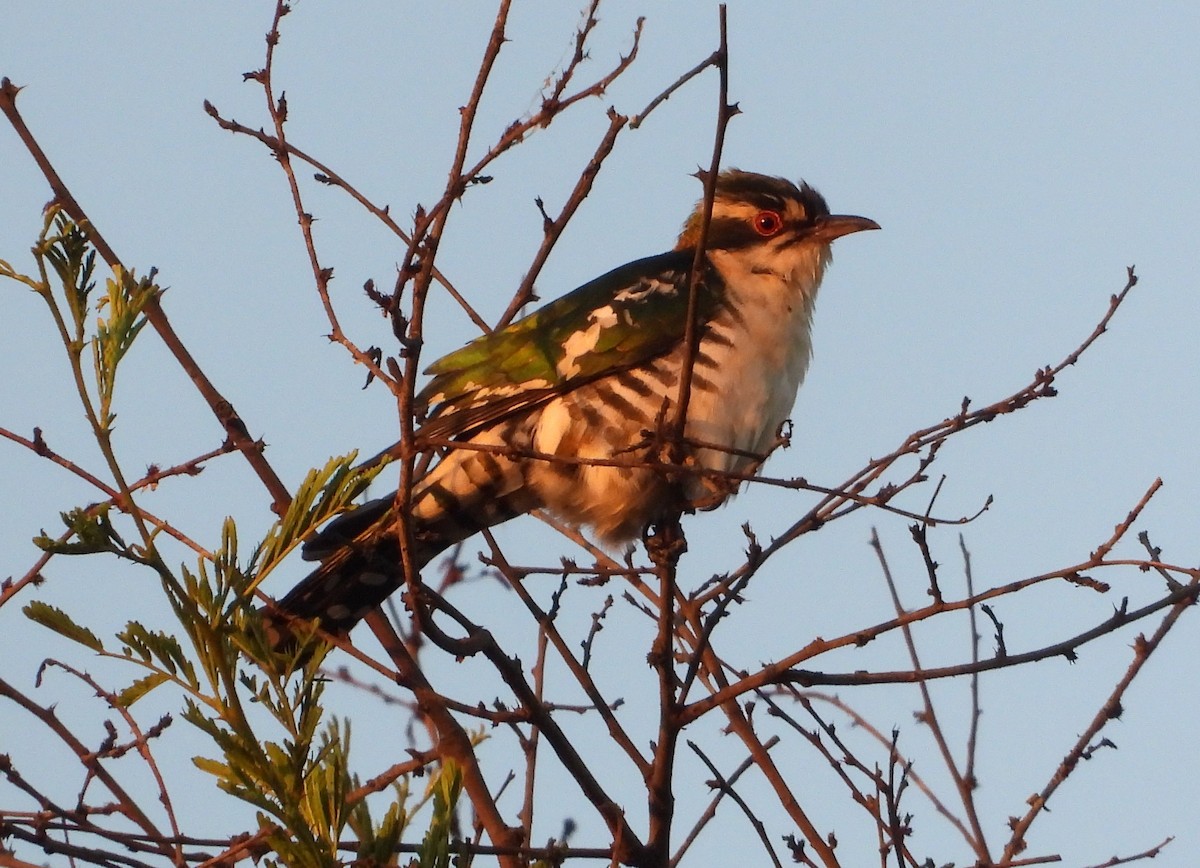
767,225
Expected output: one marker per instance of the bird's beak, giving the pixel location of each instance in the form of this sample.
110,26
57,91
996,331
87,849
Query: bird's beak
837,225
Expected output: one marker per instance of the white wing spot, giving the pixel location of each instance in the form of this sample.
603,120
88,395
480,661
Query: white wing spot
641,290
581,343
490,393
483,395
552,425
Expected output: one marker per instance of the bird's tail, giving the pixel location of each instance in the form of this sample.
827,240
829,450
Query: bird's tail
361,565
360,551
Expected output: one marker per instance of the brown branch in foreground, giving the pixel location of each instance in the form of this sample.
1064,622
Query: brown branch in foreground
1186,596
626,846
550,108
691,335
969,775
576,667
783,671
711,811
277,111
417,265
1151,853
740,725
235,849
380,782
429,222
453,741
554,227
141,742
114,498
327,175
724,785
712,60
666,543
846,756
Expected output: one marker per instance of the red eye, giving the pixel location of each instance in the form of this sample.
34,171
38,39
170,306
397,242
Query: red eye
767,223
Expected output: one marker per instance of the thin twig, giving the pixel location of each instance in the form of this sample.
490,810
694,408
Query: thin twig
929,715
453,741
725,786
969,776
710,812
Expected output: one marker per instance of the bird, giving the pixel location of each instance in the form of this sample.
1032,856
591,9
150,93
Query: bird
557,410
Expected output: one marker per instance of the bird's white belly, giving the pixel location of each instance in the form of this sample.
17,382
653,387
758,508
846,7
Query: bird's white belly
756,380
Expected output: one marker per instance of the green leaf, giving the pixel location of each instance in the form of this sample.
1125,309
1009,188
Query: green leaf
217,769
377,844
125,299
73,260
437,846
6,270
323,494
158,647
93,533
58,621
140,688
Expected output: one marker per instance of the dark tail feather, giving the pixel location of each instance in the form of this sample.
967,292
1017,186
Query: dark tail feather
361,566
361,563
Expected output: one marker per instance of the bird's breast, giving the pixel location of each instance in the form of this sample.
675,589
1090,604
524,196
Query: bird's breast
751,363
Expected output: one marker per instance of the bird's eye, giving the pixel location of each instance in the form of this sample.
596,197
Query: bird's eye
767,223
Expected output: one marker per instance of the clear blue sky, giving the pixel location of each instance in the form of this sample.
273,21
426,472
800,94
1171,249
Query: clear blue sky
1018,157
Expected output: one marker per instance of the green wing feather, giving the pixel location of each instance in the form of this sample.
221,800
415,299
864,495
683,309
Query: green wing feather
618,320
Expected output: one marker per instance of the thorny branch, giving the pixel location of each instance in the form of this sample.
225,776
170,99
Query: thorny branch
666,543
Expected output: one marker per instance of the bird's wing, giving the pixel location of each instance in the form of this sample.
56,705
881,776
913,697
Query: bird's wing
619,320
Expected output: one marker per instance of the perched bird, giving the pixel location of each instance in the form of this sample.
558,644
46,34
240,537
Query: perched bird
587,378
